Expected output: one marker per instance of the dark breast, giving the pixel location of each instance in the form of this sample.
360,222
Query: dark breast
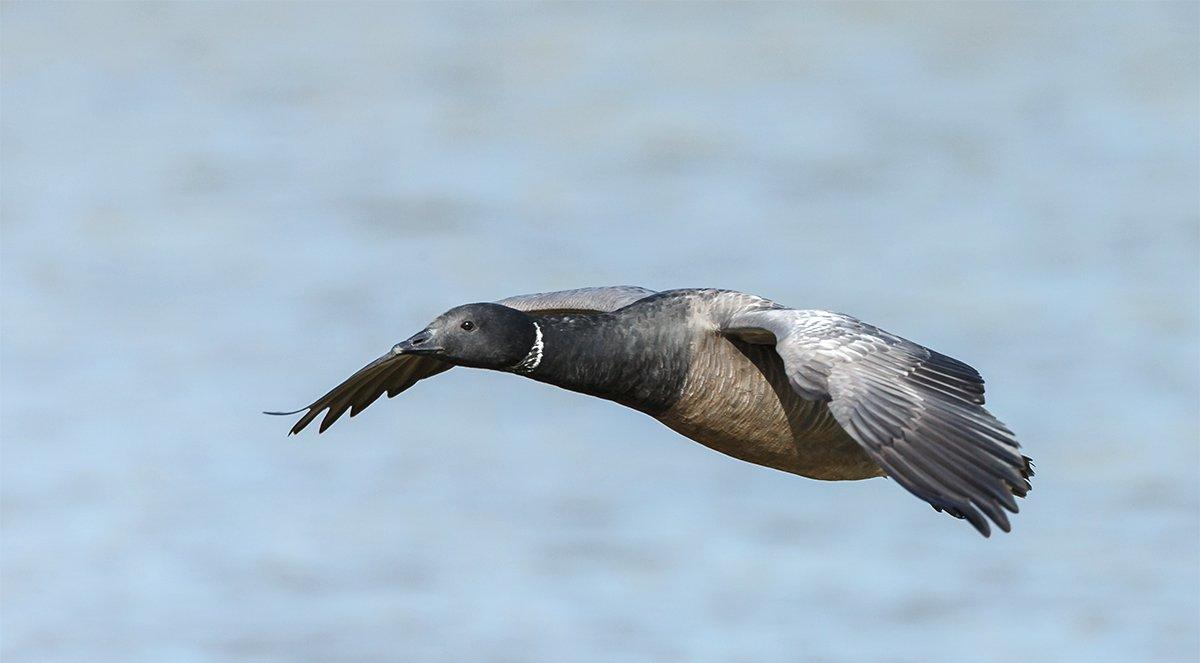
736,399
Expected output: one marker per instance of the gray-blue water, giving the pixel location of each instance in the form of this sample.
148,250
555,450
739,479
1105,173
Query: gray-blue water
215,209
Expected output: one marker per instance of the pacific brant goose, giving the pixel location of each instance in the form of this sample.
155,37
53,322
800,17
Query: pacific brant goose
814,393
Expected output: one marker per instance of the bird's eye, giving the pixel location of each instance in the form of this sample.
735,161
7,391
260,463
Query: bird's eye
467,325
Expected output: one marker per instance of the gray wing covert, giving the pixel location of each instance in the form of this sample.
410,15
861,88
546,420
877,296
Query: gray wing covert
391,374
916,412
582,300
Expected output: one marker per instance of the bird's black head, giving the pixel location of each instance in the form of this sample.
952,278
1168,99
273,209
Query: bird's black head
476,335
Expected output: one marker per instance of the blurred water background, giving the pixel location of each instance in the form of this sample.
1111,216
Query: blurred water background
212,209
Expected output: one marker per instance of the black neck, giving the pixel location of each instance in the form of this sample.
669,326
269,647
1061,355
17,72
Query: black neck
606,355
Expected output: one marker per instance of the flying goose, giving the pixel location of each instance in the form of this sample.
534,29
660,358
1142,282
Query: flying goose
814,393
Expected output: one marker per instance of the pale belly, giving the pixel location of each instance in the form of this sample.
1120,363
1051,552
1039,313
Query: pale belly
737,400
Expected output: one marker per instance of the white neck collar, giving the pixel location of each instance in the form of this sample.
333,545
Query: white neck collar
534,357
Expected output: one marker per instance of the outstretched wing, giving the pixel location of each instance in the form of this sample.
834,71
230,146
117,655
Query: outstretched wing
392,374
916,412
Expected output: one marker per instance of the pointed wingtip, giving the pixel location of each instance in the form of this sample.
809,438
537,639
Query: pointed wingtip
981,524
295,429
285,414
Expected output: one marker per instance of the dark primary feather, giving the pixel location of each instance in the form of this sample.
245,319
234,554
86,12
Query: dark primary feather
916,412
390,374
932,436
